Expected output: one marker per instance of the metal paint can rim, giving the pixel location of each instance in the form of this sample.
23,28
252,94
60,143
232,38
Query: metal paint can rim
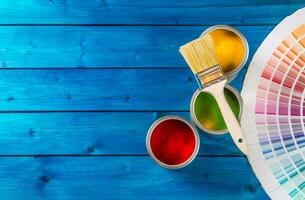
155,124
198,124
243,38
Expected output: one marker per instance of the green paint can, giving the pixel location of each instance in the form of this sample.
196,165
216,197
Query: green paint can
206,113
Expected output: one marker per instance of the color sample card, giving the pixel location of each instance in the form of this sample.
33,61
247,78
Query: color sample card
274,116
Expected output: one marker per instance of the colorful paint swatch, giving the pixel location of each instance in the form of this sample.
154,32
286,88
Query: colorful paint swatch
274,111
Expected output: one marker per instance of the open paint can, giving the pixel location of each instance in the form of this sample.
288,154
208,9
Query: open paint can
231,48
206,113
172,142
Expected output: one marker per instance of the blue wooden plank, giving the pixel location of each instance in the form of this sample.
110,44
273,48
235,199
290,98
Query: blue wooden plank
126,178
145,12
73,133
103,47
95,89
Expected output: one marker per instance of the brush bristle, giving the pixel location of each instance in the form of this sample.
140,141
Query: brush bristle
199,54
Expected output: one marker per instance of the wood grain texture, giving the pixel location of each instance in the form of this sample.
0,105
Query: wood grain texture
126,178
111,90
168,12
78,134
102,133
103,47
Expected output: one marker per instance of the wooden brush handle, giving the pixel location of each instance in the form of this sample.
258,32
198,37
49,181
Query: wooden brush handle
217,90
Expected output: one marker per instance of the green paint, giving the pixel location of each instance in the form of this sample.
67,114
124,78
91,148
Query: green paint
208,113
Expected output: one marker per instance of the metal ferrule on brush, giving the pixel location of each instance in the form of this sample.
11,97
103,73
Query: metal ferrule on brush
209,76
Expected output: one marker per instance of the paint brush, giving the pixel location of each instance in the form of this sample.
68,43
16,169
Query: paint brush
200,56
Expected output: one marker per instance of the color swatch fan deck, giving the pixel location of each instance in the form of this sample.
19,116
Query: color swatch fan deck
274,113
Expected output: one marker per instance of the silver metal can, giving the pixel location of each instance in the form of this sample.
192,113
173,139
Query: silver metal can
149,135
232,74
200,125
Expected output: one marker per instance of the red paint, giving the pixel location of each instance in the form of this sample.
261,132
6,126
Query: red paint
173,142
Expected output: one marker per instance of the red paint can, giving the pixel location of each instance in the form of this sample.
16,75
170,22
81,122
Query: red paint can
172,142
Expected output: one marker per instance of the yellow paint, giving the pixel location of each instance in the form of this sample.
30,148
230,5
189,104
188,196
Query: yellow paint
229,47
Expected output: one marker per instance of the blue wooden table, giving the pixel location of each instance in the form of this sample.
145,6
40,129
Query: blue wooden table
81,81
